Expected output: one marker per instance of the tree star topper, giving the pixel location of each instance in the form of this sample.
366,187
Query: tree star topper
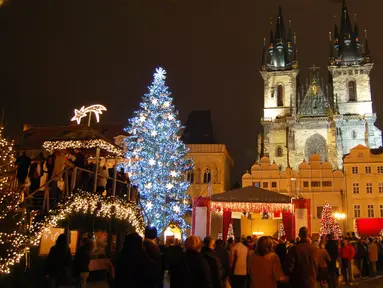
96,109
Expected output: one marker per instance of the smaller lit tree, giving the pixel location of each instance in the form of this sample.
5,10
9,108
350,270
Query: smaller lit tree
328,223
7,159
281,231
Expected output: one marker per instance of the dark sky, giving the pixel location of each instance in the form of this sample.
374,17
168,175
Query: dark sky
58,55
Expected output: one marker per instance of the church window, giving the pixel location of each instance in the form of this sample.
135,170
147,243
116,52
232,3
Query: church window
207,176
315,183
356,211
369,188
273,184
352,90
265,184
355,188
368,169
190,176
280,95
326,183
305,184
381,211
279,152
370,211
354,135
355,170
380,187
380,169
257,184
316,144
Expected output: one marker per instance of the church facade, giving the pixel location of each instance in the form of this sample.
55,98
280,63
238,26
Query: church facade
300,120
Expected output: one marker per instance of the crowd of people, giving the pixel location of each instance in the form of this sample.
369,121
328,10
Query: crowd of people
244,263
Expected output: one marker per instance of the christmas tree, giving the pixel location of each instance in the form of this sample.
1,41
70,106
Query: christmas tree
157,155
7,160
328,223
281,232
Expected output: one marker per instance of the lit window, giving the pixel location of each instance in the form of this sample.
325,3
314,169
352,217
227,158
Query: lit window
315,183
326,183
279,152
381,211
370,211
351,91
265,185
207,176
190,176
380,187
368,169
355,188
305,184
355,170
369,188
354,135
273,184
356,211
380,169
280,95
257,184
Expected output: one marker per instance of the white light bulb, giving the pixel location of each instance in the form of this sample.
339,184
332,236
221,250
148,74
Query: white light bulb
142,118
148,186
149,205
170,117
166,104
177,209
169,186
173,173
154,101
152,162
154,133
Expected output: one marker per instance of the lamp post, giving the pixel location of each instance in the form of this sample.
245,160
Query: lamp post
340,217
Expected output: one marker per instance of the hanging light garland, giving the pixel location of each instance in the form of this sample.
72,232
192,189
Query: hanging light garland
82,202
251,207
85,144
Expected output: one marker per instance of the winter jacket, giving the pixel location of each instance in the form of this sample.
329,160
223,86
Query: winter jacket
81,260
191,271
301,264
154,253
361,251
347,252
323,258
224,258
214,265
372,252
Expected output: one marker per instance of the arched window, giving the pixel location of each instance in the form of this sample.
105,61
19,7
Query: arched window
279,152
206,176
354,135
190,177
351,90
280,96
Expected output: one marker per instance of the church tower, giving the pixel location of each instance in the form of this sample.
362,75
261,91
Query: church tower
350,65
279,71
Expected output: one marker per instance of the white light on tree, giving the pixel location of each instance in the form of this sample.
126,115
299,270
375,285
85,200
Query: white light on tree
159,158
176,209
149,205
83,112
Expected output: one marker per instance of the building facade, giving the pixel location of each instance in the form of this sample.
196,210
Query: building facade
363,169
314,180
301,120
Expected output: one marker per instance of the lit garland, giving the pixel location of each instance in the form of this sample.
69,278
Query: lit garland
85,144
82,202
251,207
281,231
9,200
7,160
158,163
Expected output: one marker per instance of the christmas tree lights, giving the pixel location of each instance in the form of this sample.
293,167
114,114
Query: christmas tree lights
328,223
7,160
158,164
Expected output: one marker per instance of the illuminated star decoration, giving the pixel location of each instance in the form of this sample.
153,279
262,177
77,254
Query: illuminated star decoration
96,109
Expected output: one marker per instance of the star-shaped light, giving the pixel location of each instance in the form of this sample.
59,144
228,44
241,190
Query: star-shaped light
148,185
142,118
152,162
177,209
154,101
173,173
170,117
95,109
166,104
149,205
160,74
169,186
154,133
79,114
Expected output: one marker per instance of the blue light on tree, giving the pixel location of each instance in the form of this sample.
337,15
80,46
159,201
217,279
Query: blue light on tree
157,155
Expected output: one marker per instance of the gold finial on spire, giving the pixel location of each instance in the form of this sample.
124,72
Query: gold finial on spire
279,19
264,41
355,17
289,23
329,36
295,38
365,34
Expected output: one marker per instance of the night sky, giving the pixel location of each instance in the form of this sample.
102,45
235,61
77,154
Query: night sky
58,55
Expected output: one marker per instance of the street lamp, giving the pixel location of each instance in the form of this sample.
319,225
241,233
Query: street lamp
339,216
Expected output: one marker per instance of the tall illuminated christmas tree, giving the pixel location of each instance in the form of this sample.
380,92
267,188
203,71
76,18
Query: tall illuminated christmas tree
157,155
328,223
7,160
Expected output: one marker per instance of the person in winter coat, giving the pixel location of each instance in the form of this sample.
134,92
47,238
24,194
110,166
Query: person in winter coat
264,266
224,259
347,253
360,256
191,270
102,178
34,174
238,263
81,262
134,268
372,256
50,163
23,162
333,251
213,261
154,253
59,263
301,262
323,260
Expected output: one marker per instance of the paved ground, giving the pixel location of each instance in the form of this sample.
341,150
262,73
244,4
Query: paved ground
368,283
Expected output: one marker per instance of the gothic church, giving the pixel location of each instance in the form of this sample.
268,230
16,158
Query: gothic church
329,120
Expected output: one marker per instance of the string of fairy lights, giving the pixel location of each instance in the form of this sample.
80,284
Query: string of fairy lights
251,207
82,202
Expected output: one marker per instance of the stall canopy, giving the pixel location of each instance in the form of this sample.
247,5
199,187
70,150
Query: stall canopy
369,227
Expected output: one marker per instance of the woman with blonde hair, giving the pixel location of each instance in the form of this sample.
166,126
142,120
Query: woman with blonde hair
264,265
